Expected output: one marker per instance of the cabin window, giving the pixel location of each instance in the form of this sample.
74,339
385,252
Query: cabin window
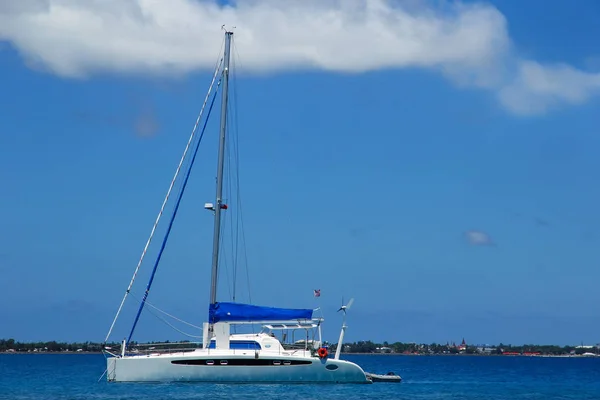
331,367
239,345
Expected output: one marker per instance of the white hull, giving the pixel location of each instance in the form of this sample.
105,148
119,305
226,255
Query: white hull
239,368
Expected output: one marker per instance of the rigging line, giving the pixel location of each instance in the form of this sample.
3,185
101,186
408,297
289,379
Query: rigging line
223,253
174,317
231,220
231,151
223,257
233,212
243,240
237,173
166,313
239,213
102,376
173,327
239,193
235,148
240,209
223,264
170,226
217,67
162,208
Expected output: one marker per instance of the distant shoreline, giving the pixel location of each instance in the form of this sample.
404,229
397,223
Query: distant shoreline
11,346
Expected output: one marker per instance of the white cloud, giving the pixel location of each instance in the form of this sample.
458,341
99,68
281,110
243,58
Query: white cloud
538,87
478,238
23,6
469,43
74,38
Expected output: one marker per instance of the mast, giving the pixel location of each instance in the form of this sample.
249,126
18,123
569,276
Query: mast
219,201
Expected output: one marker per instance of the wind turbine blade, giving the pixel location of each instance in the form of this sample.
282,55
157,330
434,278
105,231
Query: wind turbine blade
350,303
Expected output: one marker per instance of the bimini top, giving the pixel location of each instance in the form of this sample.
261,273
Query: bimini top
237,312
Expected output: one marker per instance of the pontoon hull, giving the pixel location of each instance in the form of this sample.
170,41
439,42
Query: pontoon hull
190,367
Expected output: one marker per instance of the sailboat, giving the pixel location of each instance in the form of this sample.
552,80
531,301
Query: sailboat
224,356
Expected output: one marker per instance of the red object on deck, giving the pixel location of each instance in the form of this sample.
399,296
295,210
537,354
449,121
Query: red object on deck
223,206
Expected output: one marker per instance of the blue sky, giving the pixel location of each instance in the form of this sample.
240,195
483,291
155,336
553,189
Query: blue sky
436,161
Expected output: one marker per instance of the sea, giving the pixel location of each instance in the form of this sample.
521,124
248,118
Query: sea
75,376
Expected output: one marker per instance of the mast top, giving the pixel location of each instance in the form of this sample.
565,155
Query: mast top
228,29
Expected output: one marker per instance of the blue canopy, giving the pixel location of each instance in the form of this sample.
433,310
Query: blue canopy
230,312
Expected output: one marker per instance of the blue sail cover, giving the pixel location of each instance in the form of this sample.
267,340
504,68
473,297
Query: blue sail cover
235,312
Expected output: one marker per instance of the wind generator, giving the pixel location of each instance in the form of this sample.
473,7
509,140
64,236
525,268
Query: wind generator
343,308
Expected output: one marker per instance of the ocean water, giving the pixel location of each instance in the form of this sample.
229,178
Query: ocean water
75,376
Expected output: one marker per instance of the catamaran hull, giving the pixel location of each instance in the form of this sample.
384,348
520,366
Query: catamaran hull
227,369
